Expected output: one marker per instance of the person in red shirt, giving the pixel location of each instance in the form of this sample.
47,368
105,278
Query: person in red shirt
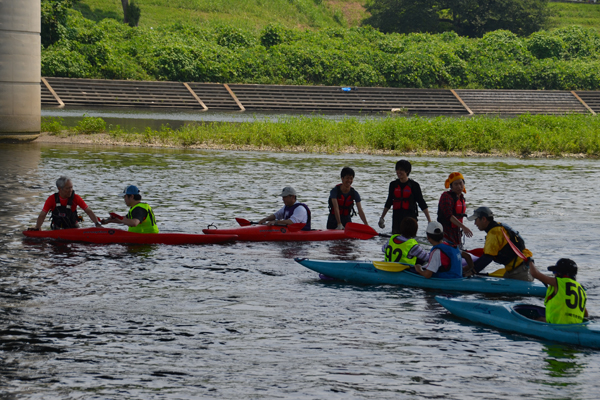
65,214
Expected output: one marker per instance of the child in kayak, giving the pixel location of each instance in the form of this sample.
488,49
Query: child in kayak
565,298
403,248
444,260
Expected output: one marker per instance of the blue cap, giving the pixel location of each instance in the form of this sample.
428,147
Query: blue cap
131,189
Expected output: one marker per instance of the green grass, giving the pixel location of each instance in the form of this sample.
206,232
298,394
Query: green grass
586,15
524,135
247,14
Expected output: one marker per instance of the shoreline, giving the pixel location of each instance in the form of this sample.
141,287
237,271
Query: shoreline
103,139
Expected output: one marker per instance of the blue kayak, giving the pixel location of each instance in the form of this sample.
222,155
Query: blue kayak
515,317
365,273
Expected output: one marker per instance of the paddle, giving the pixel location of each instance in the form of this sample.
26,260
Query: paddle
291,227
476,252
360,231
390,266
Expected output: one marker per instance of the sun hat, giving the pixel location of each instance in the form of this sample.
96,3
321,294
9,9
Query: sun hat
131,189
434,228
481,212
564,266
454,176
288,190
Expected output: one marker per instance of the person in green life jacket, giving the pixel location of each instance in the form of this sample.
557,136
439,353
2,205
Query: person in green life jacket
403,248
565,298
140,218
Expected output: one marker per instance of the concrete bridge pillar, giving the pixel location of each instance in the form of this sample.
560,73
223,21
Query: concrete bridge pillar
20,68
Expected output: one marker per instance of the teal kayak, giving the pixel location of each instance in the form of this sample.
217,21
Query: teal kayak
515,317
365,273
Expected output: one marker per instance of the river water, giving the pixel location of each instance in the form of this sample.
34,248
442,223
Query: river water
243,320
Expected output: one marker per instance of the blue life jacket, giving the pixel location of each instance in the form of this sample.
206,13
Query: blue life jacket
454,270
288,211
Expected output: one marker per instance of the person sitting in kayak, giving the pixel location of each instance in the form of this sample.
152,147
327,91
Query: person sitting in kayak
292,212
140,218
498,249
565,298
403,248
341,202
63,206
403,196
444,260
452,209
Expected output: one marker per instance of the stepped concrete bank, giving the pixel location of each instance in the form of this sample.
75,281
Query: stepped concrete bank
65,92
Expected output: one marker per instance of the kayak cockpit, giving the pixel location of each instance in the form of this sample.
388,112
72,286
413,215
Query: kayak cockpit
530,311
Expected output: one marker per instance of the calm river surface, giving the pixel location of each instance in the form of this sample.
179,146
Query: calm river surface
243,320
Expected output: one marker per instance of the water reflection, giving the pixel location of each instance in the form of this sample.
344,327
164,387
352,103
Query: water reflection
563,361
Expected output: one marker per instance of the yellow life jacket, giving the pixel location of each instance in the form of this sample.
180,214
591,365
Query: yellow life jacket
148,225
567,305
397,251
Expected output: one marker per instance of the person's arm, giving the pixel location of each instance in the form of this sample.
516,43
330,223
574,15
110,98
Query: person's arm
424,272
361,213
92,216
545,279
267,219
482,262
469,268
466,230
40,220
336,212
426,212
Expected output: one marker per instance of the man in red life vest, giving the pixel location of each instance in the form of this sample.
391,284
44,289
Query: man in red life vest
341,202
404,195
63,206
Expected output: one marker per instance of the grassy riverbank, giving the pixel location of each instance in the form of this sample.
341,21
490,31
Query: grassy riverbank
526,135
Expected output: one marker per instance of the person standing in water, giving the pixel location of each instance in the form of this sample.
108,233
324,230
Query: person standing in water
341,202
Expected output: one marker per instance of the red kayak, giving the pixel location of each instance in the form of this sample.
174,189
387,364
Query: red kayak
108,236
274,233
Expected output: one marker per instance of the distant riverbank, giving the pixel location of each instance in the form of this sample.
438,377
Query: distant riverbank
523,136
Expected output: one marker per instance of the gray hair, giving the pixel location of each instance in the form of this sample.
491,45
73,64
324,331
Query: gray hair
60,182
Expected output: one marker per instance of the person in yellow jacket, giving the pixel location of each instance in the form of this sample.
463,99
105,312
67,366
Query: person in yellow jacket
498,249
140,218
565,298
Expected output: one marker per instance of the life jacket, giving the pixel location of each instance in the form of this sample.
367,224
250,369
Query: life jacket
63,217
459,210
567,305
345,202
451,267
506,253
288,211
148,225
397,250
404,198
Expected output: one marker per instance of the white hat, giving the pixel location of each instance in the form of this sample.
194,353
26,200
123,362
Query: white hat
288,190
434,228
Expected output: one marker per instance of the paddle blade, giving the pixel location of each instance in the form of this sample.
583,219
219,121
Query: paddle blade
476,252
359,231
498,273
390,266
243,222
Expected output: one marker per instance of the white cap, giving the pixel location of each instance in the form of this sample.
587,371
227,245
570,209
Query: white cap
434,228
288,190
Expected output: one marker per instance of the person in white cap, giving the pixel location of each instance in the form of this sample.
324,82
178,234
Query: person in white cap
444,260
497,248
293,212
140,218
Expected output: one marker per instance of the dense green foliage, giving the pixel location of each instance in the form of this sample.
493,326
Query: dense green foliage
54,19
471,18
565,59
524,135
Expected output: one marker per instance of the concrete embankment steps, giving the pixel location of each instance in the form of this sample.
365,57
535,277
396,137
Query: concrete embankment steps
242,97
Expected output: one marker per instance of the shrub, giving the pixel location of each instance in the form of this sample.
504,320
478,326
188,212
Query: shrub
89,125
